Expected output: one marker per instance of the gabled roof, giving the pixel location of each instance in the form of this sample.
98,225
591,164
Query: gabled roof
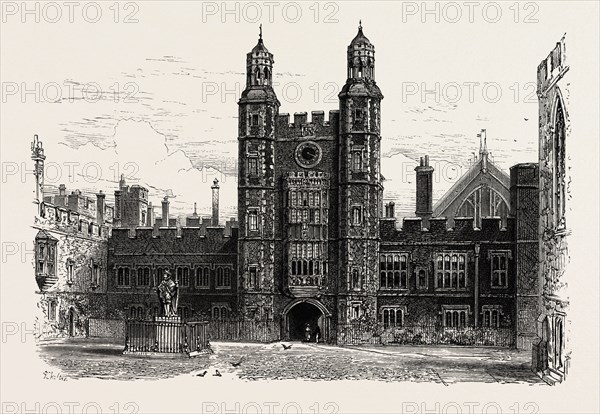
44,235
483,171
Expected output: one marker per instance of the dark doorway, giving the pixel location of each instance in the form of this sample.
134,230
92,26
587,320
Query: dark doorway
71,322
299,317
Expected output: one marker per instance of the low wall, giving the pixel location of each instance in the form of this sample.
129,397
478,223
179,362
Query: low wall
107,328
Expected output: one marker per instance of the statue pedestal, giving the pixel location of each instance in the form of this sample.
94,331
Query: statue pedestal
169,333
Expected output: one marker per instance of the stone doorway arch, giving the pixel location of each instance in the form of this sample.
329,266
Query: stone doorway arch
300,312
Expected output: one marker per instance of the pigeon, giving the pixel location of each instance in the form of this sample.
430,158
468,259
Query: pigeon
286,347
201,374
217,373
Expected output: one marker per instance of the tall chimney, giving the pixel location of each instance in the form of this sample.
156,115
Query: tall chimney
389,210
150,215
100,206
165,212
37,155
424,179
215,203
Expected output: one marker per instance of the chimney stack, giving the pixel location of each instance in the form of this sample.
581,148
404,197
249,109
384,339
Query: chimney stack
62,190
389,210
165,212
424,179
150,215
215,203
100,206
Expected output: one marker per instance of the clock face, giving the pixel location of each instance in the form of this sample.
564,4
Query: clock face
308,154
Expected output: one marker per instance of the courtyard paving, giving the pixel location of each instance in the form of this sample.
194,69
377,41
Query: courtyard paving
85,358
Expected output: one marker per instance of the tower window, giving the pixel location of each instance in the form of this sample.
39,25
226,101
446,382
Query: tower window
359,119
357,161
252,165
254,119
356,216
252,220
252,277
356,281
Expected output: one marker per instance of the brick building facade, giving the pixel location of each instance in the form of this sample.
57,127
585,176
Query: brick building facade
316,245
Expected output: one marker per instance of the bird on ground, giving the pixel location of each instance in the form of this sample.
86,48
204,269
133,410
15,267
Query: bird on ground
286,347
201,374
237,364
217,373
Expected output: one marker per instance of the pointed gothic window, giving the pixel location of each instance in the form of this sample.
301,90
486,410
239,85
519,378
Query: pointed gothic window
559,166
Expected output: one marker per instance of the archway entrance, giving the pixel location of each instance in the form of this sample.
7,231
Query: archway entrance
302,313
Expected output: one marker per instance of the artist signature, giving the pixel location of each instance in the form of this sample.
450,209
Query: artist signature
56,376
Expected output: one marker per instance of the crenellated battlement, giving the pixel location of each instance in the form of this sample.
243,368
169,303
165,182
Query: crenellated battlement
173,240
440,228
120,234
302,128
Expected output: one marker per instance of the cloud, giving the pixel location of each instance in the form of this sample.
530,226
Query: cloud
143,156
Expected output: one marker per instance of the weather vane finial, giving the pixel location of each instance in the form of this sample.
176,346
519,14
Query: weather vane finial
260,31
360,24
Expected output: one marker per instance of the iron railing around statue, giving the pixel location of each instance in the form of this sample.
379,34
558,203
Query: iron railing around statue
244,330
165,335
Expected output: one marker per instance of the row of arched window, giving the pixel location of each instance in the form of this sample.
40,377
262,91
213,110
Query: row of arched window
305,198
201,276
307,267
393,271
393,316
451,271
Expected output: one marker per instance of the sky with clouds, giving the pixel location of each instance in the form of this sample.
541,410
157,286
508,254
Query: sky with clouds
156,99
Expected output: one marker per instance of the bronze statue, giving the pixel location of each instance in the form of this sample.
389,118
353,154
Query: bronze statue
168,294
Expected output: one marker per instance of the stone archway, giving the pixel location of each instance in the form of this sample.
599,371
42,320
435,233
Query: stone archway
302,312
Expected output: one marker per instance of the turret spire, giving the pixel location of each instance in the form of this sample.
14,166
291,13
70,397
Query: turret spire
260,33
